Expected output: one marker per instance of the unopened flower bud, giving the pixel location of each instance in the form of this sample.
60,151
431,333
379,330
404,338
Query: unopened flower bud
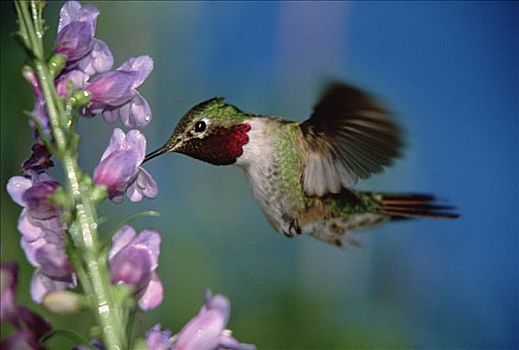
63,302
28,74
56,64
98,194
133,260
40,4
80,98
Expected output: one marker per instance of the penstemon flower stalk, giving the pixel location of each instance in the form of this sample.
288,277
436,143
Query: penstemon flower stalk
77,198
58,223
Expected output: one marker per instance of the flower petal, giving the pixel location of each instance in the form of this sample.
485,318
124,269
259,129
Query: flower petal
157,339
31,228
136,141
205,329
143,186
27,228
40,116
41,177
119,166
30,247
42,284
54,262
99,60
38,202
121,239
75,40
218,303
136,112
110,114
69,12
112,88
75,78
131,266
227,342
20,339
73,11
149,240
202,332
153,294
35,324
143,65
39,159
32,79
117,143
116,171
16,187
8,285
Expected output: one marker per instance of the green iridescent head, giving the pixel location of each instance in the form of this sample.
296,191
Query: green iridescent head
212,131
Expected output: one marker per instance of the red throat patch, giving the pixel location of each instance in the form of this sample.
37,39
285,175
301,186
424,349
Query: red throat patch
222,147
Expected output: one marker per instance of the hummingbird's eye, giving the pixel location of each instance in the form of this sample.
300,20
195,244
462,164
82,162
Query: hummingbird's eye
200,126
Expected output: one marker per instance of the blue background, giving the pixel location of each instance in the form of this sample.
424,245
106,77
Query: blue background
450,72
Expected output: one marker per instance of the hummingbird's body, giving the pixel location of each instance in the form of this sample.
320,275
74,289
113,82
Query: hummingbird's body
301,173
273,162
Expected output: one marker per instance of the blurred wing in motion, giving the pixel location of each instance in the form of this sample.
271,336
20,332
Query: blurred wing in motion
348,136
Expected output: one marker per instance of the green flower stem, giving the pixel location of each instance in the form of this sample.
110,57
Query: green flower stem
97,279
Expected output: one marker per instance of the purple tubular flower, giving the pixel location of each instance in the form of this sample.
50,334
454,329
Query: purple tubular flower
39,113
133,260
26,336
114,93
157,339
36,199
70,81
21,339
8,284
39,160
72,11
206,331
99,59
120,171
144,186
113,88
16,187
42,284
43,234
85,55
75,40
29,327
36,325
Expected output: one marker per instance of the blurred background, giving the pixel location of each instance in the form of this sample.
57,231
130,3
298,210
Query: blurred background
450,72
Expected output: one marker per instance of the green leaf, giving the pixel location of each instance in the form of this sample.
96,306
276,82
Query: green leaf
136,216
62,332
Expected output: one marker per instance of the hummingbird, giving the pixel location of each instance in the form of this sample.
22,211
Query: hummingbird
302,174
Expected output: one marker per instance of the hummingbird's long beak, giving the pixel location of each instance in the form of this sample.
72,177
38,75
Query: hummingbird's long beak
168,147
156,153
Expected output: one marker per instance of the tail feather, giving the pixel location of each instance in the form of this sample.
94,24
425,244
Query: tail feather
408,206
